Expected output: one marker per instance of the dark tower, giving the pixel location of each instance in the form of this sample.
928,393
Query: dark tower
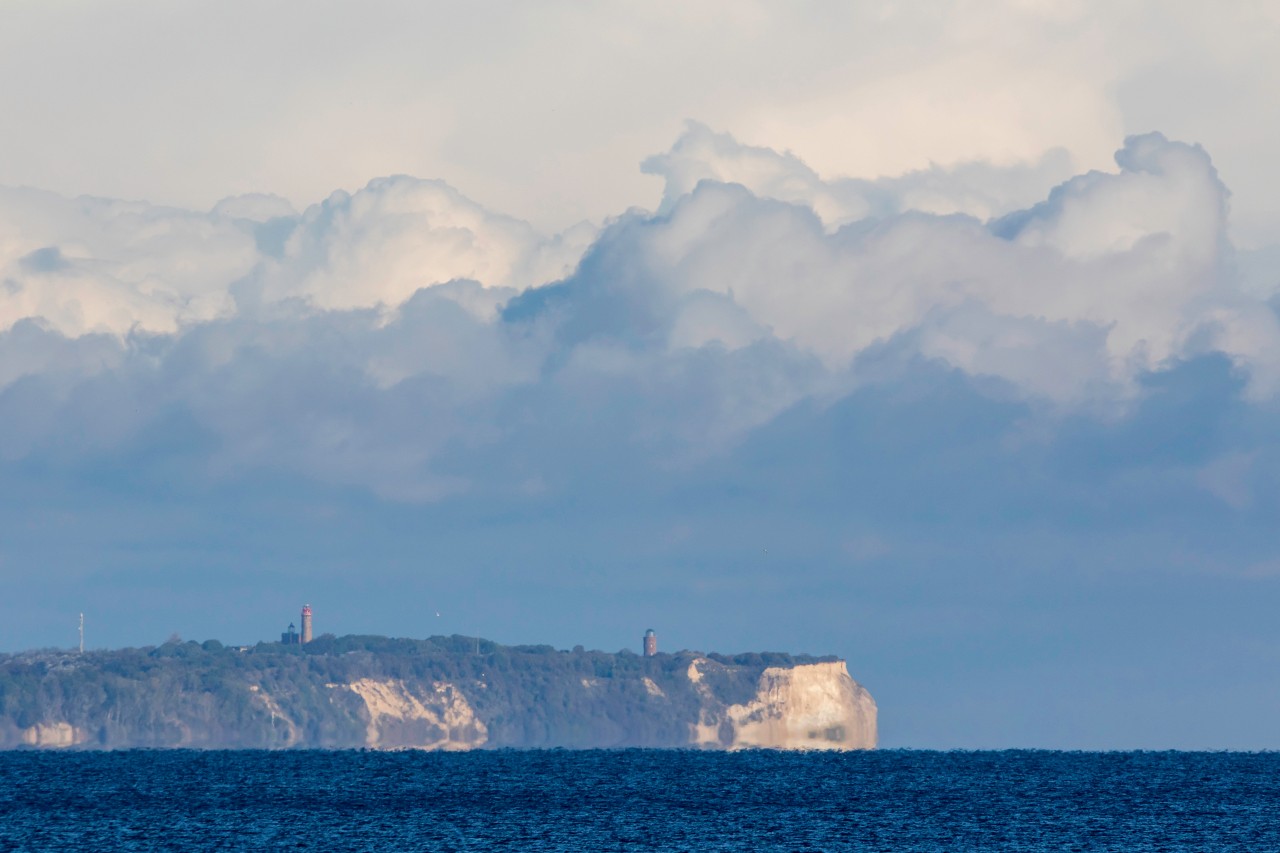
650,643
306,623
290,637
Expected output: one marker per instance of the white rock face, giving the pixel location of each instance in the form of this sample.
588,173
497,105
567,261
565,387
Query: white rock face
806,706
810,706
53,735
652,688
403,718
814,706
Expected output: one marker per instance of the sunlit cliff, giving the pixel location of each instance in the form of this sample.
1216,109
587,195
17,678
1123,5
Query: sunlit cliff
446,693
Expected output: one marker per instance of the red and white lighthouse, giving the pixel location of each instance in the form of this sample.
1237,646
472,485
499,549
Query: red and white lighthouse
306,623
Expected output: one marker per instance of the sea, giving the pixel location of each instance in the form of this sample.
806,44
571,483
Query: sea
639,800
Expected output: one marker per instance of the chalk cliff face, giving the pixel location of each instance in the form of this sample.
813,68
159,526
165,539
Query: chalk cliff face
407,717
439,694
814,706
53,735
808,706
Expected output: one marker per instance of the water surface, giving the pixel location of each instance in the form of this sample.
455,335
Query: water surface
639,800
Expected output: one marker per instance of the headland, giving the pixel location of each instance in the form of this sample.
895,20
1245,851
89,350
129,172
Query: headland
441,693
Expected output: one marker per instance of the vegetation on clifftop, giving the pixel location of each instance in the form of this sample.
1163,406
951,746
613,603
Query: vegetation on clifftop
272,695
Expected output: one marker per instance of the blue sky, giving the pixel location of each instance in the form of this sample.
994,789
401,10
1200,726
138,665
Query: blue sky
981,396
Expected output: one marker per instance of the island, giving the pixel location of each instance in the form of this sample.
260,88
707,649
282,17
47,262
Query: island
441,693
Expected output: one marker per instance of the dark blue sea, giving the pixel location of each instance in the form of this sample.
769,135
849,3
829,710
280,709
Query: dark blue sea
639,800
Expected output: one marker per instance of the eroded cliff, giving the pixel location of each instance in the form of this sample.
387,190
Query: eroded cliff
806,706
406,716
438,694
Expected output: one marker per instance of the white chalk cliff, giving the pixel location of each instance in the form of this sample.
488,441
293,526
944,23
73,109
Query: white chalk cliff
435,694
56,735
809,706
401,717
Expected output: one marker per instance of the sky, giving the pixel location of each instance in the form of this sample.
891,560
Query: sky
940,336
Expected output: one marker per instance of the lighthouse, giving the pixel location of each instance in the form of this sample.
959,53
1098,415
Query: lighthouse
650,643
306,623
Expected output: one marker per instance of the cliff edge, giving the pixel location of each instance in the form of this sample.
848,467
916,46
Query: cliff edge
445,693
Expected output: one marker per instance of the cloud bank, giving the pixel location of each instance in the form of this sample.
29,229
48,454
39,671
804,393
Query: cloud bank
400,322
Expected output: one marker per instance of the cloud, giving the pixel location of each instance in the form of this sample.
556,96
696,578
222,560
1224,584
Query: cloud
405,340
87,265
1071,299
1100,359
397,235
977,188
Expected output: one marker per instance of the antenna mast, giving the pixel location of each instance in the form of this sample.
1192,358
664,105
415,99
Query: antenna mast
81,633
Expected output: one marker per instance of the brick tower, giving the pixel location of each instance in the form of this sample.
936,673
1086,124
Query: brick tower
650,643
306,623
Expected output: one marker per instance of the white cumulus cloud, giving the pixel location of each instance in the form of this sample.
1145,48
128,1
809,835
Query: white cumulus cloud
382,338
